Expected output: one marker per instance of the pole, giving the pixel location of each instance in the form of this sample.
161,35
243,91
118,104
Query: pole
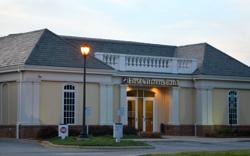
83,134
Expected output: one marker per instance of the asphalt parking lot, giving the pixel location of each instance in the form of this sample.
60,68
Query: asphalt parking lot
12,147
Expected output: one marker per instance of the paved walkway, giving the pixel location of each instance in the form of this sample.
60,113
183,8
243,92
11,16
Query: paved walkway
12,147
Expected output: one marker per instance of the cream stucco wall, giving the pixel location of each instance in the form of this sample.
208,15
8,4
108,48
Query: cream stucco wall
51,102
162,100
92,101
8,103
220,106
244,107
187,106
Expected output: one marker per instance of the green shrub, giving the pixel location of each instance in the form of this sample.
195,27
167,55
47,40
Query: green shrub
100,130
74,132
127,130
47,132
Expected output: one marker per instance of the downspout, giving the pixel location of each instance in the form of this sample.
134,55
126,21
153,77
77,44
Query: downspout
19,103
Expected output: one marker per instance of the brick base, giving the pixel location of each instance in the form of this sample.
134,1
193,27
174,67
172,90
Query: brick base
7,131
202,130
180,130
31,131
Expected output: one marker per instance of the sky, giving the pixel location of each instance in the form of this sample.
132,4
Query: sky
224,24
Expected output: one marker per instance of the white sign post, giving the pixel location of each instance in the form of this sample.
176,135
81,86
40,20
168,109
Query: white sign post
63,131
117,131
88,112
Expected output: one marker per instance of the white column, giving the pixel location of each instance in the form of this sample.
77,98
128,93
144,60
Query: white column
36,102
28,102
204,109
174,106
106,104
123,104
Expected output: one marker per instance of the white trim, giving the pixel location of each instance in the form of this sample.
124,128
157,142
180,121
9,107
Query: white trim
68,70
16,68
209,106
1,104
123,104
106,104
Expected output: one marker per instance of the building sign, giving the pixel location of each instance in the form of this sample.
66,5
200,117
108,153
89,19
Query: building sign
149,81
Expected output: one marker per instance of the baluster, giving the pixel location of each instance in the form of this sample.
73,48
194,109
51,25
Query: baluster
136,61
113,59
104,58
140,61
107,59
110,59
126,61
159,63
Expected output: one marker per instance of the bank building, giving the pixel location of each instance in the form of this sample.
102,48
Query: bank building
185,90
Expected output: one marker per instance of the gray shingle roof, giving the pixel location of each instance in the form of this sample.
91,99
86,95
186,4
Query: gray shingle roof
212,61
123,47
43,47
15,48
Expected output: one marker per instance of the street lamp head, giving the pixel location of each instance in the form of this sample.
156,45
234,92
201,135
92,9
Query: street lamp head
85,49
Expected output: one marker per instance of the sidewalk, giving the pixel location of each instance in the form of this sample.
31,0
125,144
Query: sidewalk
194,139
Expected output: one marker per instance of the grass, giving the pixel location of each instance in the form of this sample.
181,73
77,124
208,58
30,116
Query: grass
224,153
96,141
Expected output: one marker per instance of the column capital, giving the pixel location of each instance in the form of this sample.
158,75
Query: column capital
124,85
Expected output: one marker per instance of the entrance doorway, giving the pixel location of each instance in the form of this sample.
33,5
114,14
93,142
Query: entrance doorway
141,108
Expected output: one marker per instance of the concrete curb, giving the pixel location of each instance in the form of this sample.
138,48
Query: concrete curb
49,144
199,140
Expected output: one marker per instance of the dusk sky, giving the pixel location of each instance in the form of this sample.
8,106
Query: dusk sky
224,24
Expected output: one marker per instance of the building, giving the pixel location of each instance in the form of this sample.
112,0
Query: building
188,90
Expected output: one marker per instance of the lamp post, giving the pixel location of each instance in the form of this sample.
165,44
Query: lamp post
85,50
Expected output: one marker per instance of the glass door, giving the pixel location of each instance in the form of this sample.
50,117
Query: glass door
148,114
132,112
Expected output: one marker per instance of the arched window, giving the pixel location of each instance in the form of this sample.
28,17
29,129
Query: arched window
69,104
232,105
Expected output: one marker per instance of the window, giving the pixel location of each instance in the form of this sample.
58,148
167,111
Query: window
233,102
69,104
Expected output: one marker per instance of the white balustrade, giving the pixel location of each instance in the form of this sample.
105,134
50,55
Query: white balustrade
144,63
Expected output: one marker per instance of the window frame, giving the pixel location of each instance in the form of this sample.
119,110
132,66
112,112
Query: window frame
75,103
237,107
